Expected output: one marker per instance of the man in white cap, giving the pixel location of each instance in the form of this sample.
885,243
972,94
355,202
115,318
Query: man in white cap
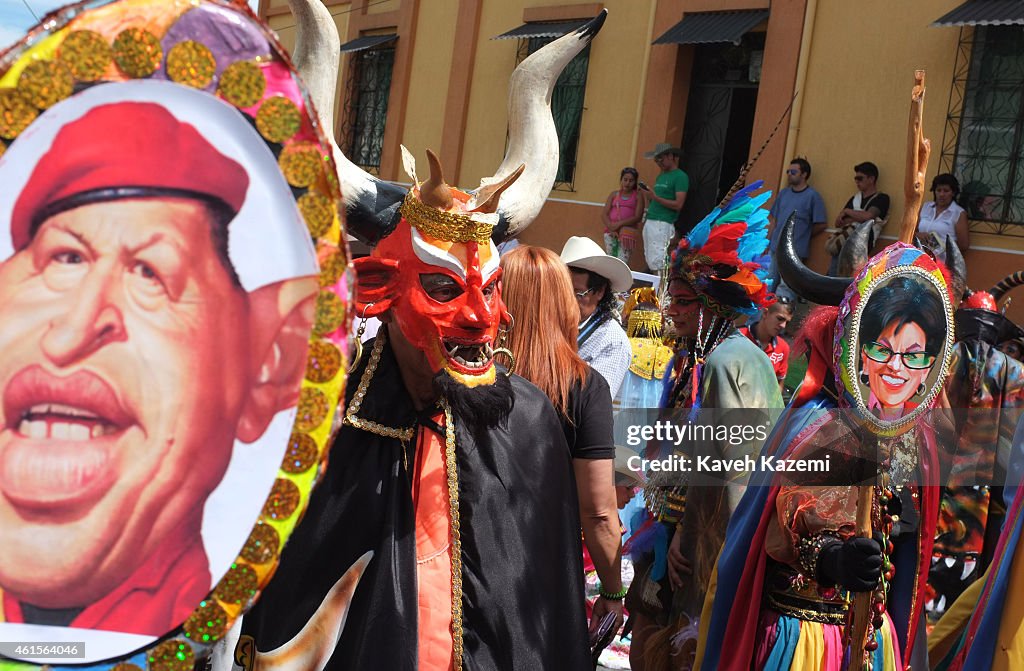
596,278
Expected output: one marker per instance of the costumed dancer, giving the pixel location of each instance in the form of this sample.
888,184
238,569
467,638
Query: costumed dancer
983,628
717,273
644,383
455,474
986,387
792,548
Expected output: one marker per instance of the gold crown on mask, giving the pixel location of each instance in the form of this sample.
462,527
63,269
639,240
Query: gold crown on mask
443,212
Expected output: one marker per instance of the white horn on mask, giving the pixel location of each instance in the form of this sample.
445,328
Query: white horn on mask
371,204
532,138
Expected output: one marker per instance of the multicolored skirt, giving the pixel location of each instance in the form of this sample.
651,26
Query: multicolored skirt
786,643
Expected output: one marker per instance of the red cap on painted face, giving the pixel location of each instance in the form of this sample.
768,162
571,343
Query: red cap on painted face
129,145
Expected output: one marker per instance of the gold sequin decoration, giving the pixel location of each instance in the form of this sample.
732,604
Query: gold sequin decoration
125,666
332,268
318,211
312,409
283,500
238,585
301,454
301,164
207,623
324,362
278,119
262,545
172,655
242,84
329,313
16,114
46,83
192,64
87,54
137,52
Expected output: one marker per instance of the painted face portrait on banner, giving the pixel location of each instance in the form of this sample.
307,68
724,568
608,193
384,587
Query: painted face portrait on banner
897,337
170,353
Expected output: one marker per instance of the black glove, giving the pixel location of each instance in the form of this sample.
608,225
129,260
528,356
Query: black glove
855,564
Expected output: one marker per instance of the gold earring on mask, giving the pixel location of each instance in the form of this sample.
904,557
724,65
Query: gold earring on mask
359,337
501,349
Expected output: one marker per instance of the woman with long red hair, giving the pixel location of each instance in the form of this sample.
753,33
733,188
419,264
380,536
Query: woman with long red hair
537,291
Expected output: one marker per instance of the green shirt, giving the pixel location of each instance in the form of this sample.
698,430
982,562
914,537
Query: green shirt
667,186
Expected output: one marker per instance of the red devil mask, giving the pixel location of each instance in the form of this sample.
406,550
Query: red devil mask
439,276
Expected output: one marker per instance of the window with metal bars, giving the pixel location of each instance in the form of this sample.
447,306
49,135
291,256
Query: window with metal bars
984,138
566,108
367,106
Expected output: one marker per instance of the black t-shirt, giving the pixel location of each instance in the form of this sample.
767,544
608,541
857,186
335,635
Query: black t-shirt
878,199
589,435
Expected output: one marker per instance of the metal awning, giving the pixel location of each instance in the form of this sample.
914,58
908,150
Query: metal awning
367,42
536,29
711,27
985,13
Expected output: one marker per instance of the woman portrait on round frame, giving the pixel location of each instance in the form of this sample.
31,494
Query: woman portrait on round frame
902,332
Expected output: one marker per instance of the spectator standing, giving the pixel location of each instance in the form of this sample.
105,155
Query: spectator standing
621,216
767,332
806,204
538,293
666,200
867,204
943,217
596,278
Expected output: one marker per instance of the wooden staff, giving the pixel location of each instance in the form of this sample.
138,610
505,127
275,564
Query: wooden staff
918,150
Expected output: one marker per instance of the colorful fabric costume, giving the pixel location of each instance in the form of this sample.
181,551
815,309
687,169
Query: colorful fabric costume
987,388
769,610
722,260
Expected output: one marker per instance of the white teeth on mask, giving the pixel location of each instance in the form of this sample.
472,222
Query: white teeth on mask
59,409
949,561
36,430
60,430
78,432
96,432
969,565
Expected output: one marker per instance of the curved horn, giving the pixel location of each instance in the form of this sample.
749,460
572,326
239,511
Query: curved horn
1009,282
371,205
805,282
533,140
957,268
857,249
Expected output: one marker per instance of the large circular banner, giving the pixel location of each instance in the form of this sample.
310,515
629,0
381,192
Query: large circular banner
897,338
173,301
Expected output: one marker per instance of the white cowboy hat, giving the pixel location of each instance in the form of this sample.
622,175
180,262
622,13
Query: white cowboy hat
584,253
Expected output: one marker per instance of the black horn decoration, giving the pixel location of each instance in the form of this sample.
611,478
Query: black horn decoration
802,280
1010,281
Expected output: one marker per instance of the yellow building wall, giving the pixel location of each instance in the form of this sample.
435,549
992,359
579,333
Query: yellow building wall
608,132
428,83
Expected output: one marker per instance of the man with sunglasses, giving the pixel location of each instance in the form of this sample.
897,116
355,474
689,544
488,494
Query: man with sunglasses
806,205
867,204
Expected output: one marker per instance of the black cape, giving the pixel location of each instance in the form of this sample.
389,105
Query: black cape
523,602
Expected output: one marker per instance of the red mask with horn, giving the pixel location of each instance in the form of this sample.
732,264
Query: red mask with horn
438,274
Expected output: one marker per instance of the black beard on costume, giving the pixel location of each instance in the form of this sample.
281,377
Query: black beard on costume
481,408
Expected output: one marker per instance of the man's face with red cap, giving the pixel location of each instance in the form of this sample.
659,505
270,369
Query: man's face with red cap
128,360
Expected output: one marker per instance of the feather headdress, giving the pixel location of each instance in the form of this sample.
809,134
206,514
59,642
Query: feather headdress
725,257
